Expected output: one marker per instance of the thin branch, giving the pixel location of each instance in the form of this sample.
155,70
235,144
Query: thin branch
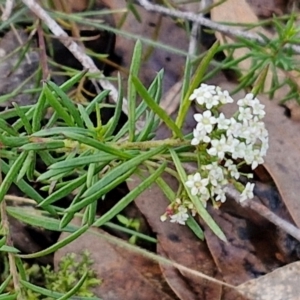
9,242
42,52
264,212
74,48
9,5
199,19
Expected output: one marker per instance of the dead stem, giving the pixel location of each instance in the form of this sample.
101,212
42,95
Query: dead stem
9,242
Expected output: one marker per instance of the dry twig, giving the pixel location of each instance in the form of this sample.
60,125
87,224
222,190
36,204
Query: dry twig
265,212
9,5
201,20
74,48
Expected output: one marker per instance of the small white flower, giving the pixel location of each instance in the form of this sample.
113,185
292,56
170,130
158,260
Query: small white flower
245,113
246,101
210,102
264,146
247,192
205,121
257,159
239,150
203,93
232,143
197,184
234,128
215,174
200,136
258,109
221,196
181,216
232,168
204,196
223,123
223,96
218,147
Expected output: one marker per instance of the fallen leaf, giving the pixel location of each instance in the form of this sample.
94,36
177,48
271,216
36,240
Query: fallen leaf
281,284
124,274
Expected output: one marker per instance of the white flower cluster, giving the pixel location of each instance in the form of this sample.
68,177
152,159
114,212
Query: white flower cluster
242,137
228,144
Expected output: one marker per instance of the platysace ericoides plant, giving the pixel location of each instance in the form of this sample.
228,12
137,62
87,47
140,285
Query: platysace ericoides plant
223,145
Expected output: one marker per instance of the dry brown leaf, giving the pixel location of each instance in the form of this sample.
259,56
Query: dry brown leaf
124,274
266,8
250,251
281,284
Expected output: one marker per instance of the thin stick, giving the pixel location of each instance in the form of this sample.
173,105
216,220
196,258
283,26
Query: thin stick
42,52
264,212
9,5
199,19
74,48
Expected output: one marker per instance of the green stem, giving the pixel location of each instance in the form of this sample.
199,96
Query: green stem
152,144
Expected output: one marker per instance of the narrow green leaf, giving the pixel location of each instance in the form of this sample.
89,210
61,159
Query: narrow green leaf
155,107
7,128
8,296
98,99
36,219
13,141
9,249
96,144
131,94
11,112
5,284
186,80
90,175
60,110
29,115
67,102
68,217
100,192
112,125
12,174
85,117
27,189
59,130
49,145
51,294
131,196
51,174
31,157
38,113
23,118
73,80
28,161
3,241
121,169
198,205
64,191
70,238
183,109
84,160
